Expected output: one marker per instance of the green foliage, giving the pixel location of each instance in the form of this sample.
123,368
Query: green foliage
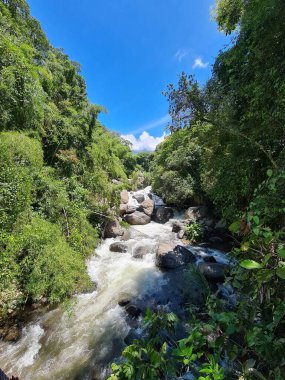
194,232
159,356
228,14
237,118
46,265
236,125
57,165
176,169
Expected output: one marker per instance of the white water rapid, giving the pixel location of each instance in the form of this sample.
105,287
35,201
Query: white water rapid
80,345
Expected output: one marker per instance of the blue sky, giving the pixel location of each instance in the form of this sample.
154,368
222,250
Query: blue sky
130,50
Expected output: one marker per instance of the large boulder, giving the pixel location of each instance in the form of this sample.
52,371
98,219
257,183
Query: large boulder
113,229
162,214
141,250
147,206
137,218
196,213
215,272
124,196
118,246
170,257
177,226
130,209
138,197
123,208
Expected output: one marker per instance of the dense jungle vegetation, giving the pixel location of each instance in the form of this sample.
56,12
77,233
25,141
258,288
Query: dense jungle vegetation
57,165
227,148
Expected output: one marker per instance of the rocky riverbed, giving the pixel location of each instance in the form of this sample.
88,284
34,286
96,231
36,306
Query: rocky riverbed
143,266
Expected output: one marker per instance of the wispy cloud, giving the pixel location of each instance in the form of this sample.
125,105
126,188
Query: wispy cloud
199,64
180,54
145,142
162,121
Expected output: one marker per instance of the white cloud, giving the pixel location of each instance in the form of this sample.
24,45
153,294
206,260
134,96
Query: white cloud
153,124
180,54
198,63
145,142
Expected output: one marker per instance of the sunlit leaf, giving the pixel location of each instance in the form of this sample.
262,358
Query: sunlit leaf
250,264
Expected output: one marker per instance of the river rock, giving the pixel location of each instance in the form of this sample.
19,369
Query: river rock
133,310
118,246
130,209
140,250
113,229
123,208
126,235
181,234
12,334
170,257
214,271
162,214
137,218
124,196
147,206
138,197
195,213
209,259
177,226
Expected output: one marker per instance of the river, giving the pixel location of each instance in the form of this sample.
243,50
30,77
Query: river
80,344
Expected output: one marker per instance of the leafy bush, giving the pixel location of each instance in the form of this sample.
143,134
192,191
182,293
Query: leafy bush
194,232
46,265
176,169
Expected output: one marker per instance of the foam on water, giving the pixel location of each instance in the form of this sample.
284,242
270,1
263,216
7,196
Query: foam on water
59,345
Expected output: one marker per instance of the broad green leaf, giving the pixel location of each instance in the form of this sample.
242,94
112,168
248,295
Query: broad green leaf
256,219
250,264
281,252
256,230
269,173
281,272
235,226
267,258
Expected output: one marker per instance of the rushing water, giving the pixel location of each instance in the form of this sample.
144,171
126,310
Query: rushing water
81,344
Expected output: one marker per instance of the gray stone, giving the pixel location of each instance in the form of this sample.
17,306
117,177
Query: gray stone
181,234
126,235
170,257
147,206
140,250
214,271
118,246
177,226
162,214
124,196
130,209
123,208
137,218
113,229
195,213
138,197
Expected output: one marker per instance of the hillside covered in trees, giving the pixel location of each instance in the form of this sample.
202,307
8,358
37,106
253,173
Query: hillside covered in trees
57,166
62,173
226,149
